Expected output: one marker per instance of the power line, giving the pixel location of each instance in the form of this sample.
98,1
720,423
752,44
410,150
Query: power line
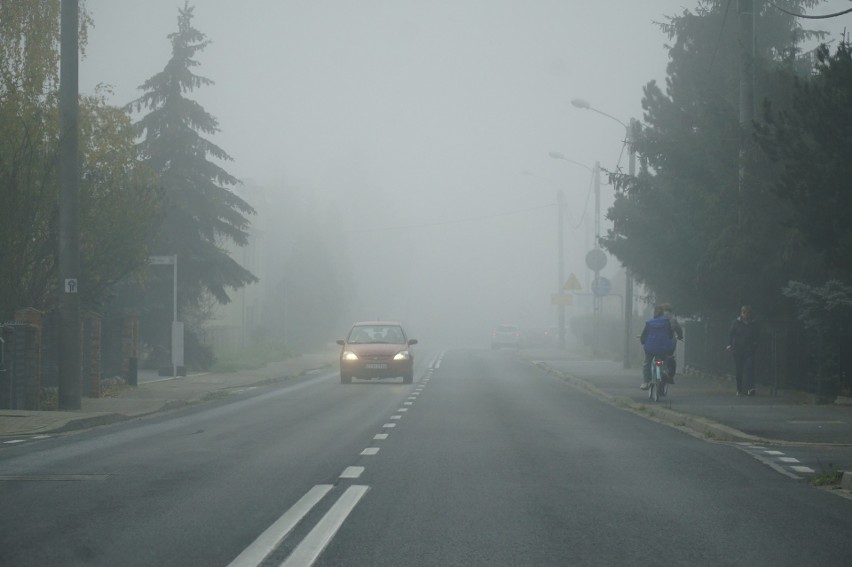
721,30
789,13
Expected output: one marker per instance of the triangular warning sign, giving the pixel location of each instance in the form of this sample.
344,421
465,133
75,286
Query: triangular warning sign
573,284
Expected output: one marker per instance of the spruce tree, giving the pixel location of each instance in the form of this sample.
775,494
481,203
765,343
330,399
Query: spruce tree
201,211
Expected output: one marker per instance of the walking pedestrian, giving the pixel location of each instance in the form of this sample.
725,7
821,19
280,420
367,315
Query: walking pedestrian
742,343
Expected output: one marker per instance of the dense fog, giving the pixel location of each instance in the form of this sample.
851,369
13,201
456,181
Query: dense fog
418,132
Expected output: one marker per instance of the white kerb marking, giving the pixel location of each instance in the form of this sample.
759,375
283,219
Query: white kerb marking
307,552
254,554
370,451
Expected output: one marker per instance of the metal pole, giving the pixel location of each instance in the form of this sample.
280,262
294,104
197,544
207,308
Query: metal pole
628,277
69,210
560,262
597,299
174,316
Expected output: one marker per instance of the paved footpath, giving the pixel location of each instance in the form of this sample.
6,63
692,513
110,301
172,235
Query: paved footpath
708,404
155,396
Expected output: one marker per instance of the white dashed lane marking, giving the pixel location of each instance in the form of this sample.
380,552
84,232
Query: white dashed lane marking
352,472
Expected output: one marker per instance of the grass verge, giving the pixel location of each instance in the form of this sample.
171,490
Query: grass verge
251,357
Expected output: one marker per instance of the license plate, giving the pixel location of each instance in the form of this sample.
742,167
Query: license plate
375,366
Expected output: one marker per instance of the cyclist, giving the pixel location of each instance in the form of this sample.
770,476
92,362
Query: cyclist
658,339
678,331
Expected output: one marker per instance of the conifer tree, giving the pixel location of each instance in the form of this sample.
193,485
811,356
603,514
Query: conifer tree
201,211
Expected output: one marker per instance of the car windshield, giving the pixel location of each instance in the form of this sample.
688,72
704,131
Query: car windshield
389,334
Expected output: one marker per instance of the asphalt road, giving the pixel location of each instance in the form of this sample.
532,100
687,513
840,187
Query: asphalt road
484,460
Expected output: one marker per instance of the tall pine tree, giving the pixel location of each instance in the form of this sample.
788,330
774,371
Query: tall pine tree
201,212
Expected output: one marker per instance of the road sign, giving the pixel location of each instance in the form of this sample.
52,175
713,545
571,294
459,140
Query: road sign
561,299
163,260
596,259
572,284
601,286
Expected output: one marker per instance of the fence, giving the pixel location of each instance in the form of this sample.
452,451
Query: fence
29,356
785,357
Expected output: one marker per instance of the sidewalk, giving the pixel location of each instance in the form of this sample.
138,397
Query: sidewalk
152,397
707,405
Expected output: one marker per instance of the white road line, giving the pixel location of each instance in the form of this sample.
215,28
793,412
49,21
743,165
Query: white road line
254,554
788,459
407,403
402,409
13,441
803,469
307,552
380,436
773,453
370,451
396,417
389,425
352,472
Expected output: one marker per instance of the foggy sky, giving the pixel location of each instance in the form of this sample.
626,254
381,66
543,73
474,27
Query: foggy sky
421,116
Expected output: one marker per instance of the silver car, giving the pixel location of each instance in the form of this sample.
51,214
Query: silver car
506,335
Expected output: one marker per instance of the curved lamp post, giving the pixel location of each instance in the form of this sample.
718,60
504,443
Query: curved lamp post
628,278
595,171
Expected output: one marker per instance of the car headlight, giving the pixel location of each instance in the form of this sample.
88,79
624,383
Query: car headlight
349,355
402,355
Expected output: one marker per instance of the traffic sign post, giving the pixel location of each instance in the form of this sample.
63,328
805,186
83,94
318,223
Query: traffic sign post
601,286
177,328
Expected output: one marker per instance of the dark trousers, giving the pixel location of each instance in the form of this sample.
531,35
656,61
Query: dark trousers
744,366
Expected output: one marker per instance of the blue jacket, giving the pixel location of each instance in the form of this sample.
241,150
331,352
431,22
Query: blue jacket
657,336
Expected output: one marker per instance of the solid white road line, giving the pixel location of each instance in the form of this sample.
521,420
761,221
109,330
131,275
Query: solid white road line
254,554
310,548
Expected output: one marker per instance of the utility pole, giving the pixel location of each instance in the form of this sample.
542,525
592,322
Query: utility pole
560,250
746,12
628,277
69,209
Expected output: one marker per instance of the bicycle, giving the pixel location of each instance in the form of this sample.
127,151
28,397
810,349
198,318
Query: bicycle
660,378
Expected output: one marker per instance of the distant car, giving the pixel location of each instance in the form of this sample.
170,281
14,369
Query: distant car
376,349
506,335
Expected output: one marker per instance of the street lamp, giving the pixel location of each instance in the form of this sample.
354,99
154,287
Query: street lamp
560,260
595,171
628,278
